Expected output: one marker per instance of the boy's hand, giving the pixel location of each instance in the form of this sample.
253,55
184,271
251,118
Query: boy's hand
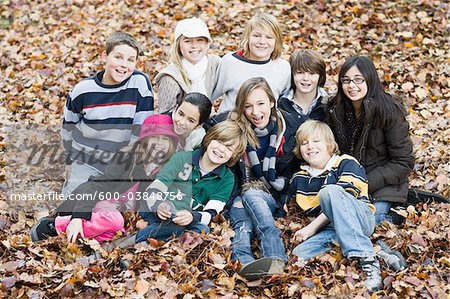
183,218
163,211
74,229
303,234
312,228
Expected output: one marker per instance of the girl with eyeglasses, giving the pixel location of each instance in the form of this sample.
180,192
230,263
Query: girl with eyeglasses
370,124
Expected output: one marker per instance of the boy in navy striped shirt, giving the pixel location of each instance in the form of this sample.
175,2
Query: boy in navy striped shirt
335,186
101,110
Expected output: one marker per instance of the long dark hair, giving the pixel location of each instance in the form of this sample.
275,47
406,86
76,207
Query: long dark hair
202,102
386,107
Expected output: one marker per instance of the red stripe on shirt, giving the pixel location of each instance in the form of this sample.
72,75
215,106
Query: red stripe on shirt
109,104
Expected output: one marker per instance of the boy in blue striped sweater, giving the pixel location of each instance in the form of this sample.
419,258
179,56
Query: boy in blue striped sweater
101,110
334,187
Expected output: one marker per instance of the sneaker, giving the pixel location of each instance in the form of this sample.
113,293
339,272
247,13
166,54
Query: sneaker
371,267
262,268
43,229
121,243
255,269
276,268
393,258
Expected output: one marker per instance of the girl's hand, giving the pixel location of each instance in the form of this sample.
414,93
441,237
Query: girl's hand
74,229
183,218
303,234
163,211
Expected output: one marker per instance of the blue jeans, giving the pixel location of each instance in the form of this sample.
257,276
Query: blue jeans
351,224
381,212
250,213
164,230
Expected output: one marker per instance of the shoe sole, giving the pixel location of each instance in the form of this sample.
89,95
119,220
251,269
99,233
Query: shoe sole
257,269
402,261
33,233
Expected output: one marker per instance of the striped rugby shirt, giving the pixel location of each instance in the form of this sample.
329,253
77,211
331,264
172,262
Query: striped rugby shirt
344,171
98,118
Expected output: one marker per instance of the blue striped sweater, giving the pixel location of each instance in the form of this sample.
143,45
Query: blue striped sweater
98,118
344,171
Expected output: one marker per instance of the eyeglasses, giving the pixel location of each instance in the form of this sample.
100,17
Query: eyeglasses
357,80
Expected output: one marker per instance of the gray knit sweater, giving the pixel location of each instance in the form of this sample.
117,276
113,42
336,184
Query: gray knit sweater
234,70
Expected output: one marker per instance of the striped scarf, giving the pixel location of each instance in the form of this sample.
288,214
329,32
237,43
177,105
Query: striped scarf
266,172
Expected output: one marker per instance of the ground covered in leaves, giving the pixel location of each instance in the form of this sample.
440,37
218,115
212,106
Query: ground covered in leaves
46,47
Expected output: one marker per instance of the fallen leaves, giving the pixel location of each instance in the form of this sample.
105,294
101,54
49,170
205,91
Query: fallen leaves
417,239
142,287
47,47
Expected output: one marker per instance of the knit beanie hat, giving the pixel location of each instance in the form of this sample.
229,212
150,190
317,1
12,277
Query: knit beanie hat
158,124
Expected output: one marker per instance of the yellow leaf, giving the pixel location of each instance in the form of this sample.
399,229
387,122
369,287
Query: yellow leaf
423,275
74,248
142,287
445,261
419,38
162,33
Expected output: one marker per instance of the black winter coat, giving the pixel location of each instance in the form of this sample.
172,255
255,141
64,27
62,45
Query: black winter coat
119,176
386,153
317,112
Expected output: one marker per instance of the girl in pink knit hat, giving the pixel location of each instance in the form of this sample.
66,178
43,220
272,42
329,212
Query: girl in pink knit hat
93,209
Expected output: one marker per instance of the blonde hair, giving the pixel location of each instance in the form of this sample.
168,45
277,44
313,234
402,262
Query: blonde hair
176,57
228,133
311,128
266,22
241,99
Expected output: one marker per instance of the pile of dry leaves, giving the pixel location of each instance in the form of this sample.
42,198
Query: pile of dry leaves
46,47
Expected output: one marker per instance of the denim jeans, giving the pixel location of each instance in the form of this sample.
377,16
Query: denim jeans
351,225
79,173
253,213
164,230
382,210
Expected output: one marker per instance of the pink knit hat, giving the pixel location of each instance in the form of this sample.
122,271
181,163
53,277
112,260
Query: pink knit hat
158,124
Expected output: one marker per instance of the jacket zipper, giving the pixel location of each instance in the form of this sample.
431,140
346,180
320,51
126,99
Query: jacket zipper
341,129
